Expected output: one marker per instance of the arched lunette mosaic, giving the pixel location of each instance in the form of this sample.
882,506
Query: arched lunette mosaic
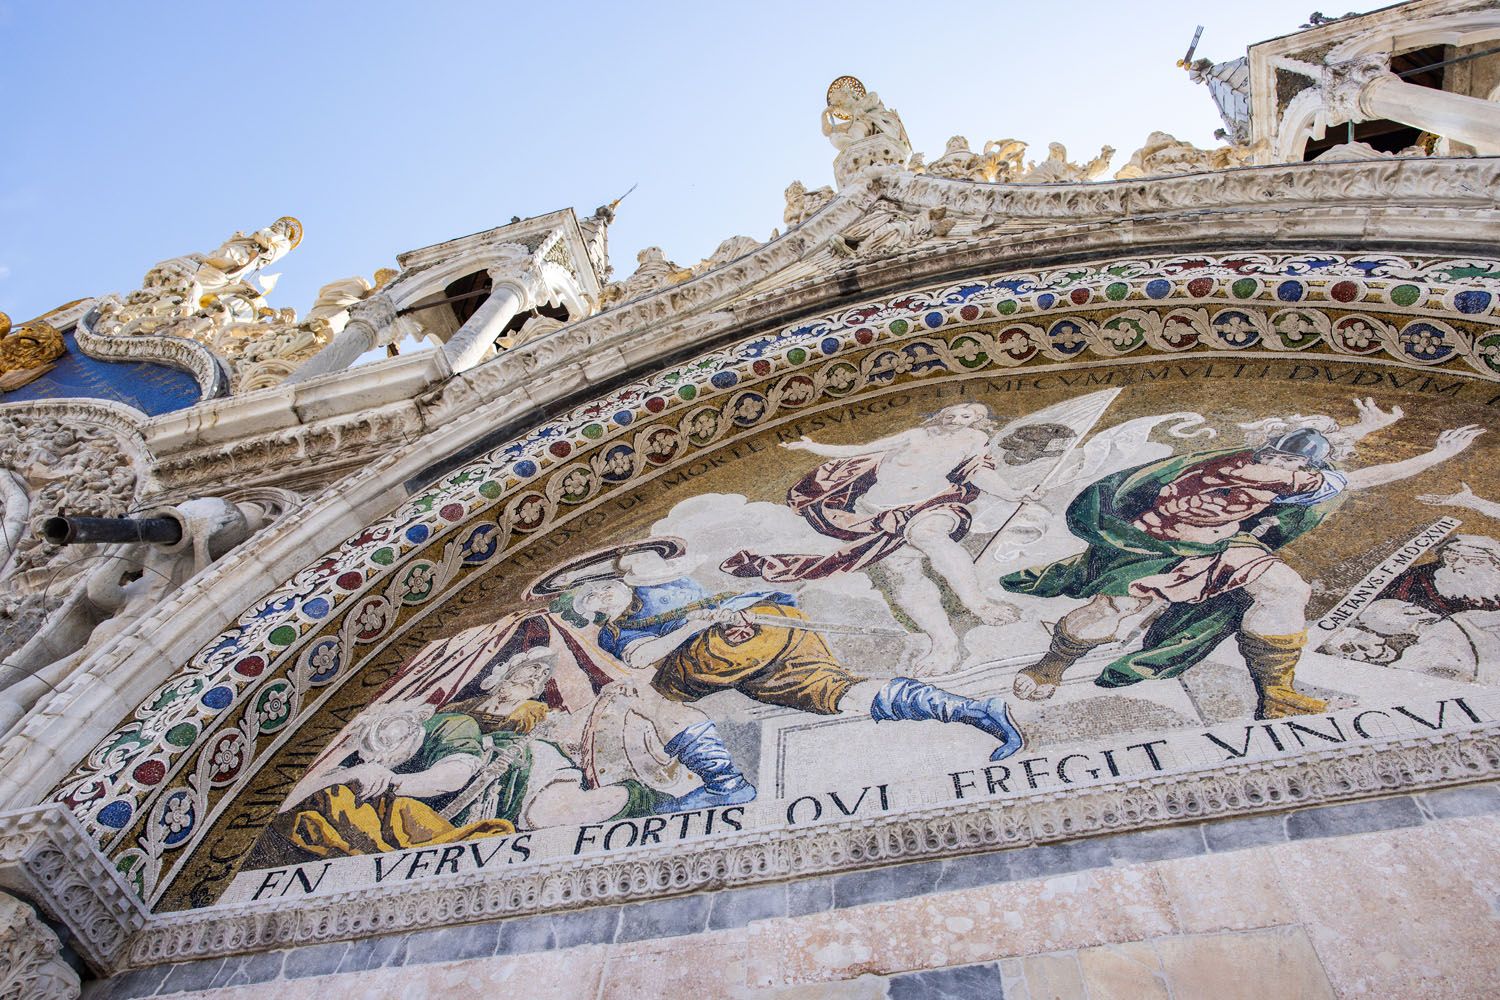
146,793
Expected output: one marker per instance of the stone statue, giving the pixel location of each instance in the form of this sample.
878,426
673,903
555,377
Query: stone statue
866,133
1001,161
123,587
1166,155
653,271
595,229
1056,169
802,203
854,114
958,162
242,254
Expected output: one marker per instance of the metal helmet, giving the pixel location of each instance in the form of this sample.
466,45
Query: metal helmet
1305,443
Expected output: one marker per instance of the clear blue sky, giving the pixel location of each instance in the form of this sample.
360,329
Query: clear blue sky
133,132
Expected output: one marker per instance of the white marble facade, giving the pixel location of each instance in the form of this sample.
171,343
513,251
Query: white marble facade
750,624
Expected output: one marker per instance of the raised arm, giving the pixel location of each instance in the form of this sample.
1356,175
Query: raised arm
1463,498
646,652
806,443
370,780
1449,443
1371,418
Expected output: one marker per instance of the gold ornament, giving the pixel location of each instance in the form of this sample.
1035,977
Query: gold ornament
384,276
844,85
30,345
296,229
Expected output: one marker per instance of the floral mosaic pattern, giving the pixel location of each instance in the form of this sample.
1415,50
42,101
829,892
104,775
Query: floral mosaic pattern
148,792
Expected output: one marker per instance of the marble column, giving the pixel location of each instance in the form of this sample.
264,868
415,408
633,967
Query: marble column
472,341
367,328
1365,89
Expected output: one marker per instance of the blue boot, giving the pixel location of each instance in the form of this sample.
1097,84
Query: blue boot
905,698
702,752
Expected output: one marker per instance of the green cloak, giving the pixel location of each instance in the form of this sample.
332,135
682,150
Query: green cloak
1119,554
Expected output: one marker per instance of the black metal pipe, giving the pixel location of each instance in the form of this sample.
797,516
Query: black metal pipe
78,530
1447,62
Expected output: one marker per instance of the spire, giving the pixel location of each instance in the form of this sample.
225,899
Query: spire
1228,84
595,230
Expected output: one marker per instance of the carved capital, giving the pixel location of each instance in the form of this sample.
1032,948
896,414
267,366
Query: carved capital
45,856
378,313
1344,84
516,267
31,962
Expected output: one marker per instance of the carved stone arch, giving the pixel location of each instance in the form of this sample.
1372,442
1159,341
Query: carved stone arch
502,397
1469,28
176,352
458,518
1300,122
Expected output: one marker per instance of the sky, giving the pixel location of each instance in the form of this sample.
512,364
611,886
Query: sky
133,132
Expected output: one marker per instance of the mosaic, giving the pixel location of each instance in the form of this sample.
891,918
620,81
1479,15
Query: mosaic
915,543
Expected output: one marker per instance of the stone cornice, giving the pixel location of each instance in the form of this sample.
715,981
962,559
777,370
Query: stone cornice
1362,204
315,432
1378,768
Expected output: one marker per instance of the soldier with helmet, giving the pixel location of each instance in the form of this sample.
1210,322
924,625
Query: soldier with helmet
1191,544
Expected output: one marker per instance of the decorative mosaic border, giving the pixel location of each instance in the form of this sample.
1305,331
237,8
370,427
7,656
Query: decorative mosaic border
1378,768
146,792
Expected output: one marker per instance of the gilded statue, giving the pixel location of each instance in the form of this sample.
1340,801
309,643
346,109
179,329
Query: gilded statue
1000,163
30,345
210,298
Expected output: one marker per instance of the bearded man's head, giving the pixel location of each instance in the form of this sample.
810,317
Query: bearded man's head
1469,570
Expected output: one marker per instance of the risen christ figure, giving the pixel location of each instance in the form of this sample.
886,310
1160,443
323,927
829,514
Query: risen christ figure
905,499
